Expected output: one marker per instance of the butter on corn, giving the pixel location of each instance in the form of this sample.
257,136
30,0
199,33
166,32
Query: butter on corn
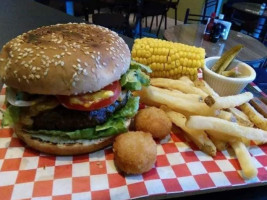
168,59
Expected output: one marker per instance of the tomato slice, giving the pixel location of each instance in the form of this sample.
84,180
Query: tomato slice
92,101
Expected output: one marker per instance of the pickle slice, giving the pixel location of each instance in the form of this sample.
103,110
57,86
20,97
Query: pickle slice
226,59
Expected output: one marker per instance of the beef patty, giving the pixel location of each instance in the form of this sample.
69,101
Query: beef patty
61,118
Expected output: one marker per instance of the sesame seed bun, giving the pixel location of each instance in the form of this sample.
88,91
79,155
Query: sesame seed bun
83,147
80,147
64,59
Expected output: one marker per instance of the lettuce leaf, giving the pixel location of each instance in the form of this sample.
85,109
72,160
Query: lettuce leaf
129,110
115,125
10,116
135,77
136,65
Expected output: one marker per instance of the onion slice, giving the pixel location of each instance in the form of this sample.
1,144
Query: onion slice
12,99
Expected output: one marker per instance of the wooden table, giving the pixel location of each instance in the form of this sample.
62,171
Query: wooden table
192,34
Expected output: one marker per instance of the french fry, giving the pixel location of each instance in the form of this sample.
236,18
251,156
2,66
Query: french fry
222,136
145,98
229,128
220,140
229,101
155,97
242,118
177,85
245,160
187,80
254,116
177,93
201,84
219,144
260,106
200,138
226,115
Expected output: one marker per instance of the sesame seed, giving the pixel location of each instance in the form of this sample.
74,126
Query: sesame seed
31,76
78,60
85,72
74,66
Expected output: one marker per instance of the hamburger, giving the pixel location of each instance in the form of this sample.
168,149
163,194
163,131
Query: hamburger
69,87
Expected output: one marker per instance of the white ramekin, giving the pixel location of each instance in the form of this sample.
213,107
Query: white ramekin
226,85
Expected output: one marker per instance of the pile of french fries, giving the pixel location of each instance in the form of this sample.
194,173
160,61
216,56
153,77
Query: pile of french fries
212,122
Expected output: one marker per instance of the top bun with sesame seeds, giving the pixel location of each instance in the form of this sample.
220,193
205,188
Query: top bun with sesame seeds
64,59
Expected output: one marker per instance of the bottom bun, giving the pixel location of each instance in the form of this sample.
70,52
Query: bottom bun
63,149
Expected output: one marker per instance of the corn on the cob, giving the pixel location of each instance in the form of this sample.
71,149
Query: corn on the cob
168,59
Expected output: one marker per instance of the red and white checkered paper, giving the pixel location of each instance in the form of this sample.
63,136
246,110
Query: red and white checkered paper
180,168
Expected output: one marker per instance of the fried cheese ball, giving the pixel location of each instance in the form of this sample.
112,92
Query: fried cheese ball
154,121
134,152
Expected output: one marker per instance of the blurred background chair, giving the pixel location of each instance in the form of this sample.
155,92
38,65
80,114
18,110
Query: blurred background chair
115,15
173,4
194,18
151,8
91,7
202,18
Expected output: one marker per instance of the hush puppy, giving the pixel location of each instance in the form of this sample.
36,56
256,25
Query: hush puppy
154,121
134,152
